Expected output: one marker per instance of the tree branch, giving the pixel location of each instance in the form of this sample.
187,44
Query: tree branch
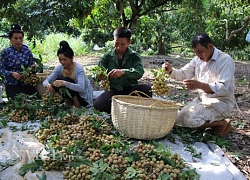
246,21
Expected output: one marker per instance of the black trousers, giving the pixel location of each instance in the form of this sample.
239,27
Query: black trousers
72,93
13,90
104,101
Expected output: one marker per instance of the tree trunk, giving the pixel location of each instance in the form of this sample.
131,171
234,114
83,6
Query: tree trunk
161,46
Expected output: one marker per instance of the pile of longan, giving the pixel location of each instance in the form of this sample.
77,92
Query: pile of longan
19,115
149,165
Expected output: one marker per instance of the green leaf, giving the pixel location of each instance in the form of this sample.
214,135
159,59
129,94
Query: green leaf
136,156
94,171
215,164
131,172
10,162
33,166
43,177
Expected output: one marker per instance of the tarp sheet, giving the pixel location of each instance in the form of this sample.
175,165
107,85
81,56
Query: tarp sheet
23,147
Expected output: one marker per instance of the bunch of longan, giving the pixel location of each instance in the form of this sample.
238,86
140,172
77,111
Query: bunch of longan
105,84
19,115
50,164
81,172
93,154
71,119
30,78
51,98
151,163
42,113
159,86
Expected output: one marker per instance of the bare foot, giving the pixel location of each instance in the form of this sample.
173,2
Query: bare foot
222,129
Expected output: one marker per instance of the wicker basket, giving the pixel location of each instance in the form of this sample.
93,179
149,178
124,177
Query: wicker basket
39,87
143,118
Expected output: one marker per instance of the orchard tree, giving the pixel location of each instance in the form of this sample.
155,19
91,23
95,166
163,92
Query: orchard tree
109,14
156,24
44,16
225,17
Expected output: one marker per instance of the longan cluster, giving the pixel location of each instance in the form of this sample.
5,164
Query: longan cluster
159,86
117,162
105,84
42,113
151,167
93,154
30,78
43,134
50,164
81,172
51,98
71,119
19,115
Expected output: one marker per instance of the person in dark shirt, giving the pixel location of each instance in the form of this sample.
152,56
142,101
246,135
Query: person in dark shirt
124,67
12,59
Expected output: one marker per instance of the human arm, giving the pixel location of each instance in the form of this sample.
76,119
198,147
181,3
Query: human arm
56,73
10,66
192,84
223,78
104,63
132,67
186,72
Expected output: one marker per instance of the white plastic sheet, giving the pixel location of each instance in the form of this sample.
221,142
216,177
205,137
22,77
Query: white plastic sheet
24,147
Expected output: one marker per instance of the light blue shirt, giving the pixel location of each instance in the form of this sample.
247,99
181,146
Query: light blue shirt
82,84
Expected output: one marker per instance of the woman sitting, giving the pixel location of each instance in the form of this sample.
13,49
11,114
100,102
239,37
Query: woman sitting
71,75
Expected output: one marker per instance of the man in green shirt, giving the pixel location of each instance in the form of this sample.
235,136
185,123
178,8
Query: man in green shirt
124,67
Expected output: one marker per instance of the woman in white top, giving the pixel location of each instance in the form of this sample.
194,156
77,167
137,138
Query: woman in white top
71,75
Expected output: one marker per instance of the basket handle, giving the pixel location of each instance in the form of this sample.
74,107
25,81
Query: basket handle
138,93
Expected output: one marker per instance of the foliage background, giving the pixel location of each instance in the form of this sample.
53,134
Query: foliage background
159,27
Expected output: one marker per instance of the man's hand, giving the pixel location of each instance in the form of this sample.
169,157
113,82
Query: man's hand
116,73
191,84
167,67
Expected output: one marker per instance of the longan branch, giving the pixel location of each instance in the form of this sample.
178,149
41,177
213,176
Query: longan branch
246,21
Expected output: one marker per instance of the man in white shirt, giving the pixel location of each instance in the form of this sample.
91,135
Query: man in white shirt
211,73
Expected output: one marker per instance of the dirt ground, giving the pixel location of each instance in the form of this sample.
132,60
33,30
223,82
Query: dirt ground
240,134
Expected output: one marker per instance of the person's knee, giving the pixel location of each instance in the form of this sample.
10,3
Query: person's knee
147,90
102,107
97,105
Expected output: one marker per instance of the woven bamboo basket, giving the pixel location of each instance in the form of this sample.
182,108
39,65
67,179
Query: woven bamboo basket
143,118
39,87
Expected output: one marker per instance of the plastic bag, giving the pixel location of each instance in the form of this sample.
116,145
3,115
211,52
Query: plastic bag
248,36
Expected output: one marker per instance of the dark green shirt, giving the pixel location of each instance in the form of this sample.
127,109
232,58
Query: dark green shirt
131,64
